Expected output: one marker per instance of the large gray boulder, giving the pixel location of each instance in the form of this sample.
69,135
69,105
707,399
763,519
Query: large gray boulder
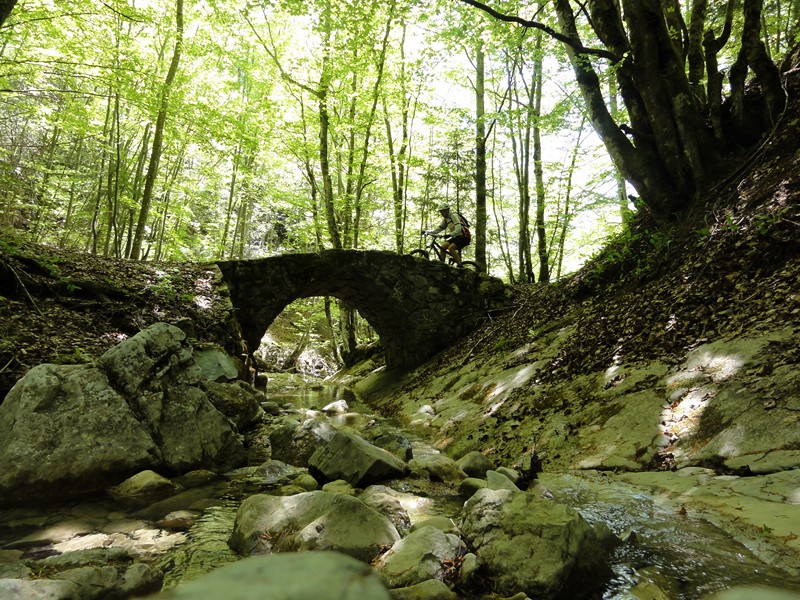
350,457
76,429
533,545
311,521
290,576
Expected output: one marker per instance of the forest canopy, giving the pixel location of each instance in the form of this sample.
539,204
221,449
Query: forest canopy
182,129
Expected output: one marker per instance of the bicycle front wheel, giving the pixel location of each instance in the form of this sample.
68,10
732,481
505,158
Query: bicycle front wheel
419,253
468,264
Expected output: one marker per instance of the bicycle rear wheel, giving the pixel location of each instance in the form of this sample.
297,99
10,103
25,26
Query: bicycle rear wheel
419,253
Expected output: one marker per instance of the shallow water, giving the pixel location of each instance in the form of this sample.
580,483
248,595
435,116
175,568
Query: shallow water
684,557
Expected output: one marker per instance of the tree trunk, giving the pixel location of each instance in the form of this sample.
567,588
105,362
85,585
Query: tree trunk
158,136
480,160
6,6
541,234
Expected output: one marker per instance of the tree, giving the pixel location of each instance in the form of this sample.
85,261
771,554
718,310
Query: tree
158,136
668,151
6,6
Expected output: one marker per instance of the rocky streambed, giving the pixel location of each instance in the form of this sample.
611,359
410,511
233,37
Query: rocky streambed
380,508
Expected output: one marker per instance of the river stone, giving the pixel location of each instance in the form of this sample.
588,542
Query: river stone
294,444
437,467
307,482
70,430
475,464
237,401
310,521
396,444
292,576
386,501
15,569
532,545
143,488
97,583
340,486
277,473
748,592
338,407
511,474
470,485
432,589
440,522
350,457
495,480
424,554
39,589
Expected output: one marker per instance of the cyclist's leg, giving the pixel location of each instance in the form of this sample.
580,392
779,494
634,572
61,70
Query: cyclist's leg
452,250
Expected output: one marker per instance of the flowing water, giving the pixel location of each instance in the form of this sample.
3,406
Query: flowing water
665,555
683,557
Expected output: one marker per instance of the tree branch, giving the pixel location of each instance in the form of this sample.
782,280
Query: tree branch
574,44
271,51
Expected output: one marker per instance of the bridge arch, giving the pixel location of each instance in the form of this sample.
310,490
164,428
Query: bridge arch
416,307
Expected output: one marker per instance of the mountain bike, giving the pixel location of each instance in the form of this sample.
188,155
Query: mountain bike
433,249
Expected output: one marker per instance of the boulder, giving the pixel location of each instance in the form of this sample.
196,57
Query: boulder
395,443
340,486
311,521
215,364
294,444
39,589
470,485
237,401
432,589
350,457
386,501
496,480
442,523
475,464
438,467
753,592
278,473
69,430
512,474
101,582
143,488
286,577
532,545
426,553
339,407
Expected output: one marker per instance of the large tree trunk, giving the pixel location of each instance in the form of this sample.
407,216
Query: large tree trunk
6,6
671,151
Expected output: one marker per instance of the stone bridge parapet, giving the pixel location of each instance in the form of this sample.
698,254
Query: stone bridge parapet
417,307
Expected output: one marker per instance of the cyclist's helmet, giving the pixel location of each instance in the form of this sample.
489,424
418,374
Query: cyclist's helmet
444,207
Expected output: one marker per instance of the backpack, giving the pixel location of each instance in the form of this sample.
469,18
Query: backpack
464,227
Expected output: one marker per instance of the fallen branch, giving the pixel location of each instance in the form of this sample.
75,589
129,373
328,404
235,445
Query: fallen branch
25,289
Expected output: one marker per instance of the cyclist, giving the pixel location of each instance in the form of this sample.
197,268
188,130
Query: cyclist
455,239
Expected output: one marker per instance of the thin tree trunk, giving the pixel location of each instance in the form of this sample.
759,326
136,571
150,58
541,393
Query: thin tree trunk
480,159
158,136
231,200
538,171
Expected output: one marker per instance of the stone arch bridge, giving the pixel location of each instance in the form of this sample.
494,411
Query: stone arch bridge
417,307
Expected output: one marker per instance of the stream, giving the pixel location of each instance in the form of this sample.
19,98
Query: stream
666,555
